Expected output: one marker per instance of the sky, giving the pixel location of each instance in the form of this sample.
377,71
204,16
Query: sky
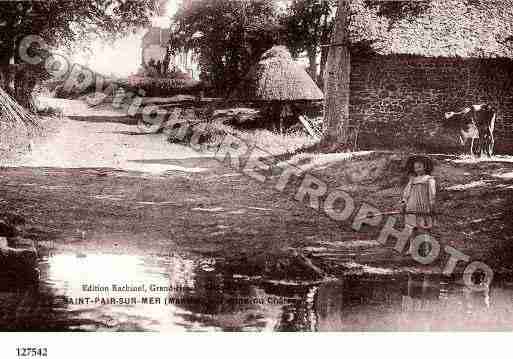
124,56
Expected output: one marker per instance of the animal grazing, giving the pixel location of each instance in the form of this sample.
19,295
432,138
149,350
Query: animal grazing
475,123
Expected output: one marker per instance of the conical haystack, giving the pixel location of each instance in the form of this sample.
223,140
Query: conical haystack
17,125
276,77
12,114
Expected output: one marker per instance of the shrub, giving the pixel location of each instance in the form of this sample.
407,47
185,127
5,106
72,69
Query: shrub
152,87
58,87
162,87
49,111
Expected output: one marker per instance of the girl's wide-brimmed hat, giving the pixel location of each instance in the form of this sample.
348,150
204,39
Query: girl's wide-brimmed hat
428,163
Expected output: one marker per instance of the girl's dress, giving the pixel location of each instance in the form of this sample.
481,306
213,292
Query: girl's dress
418,195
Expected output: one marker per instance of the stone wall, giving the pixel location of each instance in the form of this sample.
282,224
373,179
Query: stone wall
400,100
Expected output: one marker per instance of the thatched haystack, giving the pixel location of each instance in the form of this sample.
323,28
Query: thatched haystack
276,77
16,123
282,87
13,113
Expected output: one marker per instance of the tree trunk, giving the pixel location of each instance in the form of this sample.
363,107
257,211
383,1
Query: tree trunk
312,62
167,59
25,78
16,78
337,79
6,57
322,66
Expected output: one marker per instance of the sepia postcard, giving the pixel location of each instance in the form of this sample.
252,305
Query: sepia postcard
255,166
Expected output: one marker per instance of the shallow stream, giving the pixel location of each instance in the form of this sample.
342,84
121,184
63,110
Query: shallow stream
129,292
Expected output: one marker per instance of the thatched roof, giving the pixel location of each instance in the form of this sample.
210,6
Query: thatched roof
276,77
449,28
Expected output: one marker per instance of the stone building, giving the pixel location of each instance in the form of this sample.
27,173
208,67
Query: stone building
446,59
400,99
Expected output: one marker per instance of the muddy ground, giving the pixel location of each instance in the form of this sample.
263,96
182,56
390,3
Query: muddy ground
98,180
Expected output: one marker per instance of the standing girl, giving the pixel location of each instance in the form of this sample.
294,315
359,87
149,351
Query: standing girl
418,200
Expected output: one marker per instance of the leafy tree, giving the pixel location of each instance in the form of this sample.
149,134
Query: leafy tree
64,23
308,24
228,35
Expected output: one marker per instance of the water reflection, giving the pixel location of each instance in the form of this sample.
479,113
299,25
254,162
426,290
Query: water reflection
422,302
184,293
122,292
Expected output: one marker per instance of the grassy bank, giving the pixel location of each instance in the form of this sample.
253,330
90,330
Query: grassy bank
474,201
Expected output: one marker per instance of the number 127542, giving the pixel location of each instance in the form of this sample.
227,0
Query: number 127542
31,352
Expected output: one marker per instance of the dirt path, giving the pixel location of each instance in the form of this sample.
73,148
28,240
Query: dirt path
89,142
